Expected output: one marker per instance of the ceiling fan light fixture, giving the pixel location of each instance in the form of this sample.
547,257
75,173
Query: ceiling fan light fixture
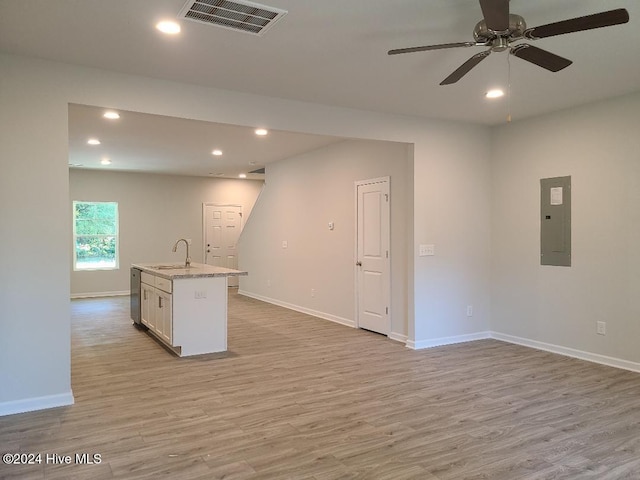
495,93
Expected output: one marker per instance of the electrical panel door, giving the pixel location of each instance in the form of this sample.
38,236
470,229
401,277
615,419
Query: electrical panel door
555,221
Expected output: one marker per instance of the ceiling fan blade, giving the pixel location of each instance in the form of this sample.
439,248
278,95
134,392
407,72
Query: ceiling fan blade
496,14
432,47
540,57
588,22
463,69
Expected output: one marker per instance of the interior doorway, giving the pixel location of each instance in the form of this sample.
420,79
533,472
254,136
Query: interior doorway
373,290
222,225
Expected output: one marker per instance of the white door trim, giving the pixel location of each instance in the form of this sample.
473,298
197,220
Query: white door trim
387,293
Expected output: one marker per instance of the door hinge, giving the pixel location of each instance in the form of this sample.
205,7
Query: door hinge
386,197
387,310
387,253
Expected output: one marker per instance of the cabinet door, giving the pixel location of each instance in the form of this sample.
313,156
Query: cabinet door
147,307
164,319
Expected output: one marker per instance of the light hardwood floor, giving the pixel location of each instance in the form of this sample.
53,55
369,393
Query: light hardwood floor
302,398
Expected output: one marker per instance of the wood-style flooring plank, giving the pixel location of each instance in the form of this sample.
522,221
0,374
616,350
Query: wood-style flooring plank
301,398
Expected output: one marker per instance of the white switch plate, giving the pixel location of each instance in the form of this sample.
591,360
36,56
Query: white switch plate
601,328
469,310
427,250
285,244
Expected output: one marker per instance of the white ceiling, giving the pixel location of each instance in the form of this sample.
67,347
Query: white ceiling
140,142
334,52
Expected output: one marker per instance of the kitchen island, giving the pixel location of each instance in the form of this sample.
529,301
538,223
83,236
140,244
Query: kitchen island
185,307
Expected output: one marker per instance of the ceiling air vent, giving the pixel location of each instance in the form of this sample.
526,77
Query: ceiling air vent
236,15
258,170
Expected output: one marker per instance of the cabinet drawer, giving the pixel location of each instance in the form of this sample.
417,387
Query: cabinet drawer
163,284
147,278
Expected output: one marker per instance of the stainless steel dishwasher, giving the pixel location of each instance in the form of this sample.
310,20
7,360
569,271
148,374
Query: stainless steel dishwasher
135,297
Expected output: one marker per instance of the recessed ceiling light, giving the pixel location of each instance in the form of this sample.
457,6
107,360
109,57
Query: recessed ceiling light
105,161
93,141
497,93
261,131
217,152
169,27
111,115
242,175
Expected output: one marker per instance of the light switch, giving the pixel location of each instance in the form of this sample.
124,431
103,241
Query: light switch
285,244
427,250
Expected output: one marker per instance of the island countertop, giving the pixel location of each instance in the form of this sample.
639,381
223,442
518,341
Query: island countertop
174,271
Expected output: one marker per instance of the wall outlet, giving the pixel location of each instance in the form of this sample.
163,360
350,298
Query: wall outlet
601,328
200,294
285,244
313,292
268,283
426,250
469,310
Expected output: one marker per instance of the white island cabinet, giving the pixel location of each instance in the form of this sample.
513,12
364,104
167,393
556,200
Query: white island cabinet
186,308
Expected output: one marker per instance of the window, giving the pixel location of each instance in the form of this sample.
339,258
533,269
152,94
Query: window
95,235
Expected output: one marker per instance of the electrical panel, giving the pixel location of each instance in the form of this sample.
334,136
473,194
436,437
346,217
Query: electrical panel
555,221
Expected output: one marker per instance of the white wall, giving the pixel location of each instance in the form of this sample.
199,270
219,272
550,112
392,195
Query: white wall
301,196
451,211
154,211
450,184
34,247
598,146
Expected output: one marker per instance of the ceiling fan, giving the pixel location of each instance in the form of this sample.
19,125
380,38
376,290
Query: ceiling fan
500,29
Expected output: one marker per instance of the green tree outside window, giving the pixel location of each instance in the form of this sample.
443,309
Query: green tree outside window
95,235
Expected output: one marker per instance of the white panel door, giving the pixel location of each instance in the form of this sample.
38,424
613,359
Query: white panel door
372,252
222,226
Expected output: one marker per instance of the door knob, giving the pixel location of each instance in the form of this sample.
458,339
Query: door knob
359,264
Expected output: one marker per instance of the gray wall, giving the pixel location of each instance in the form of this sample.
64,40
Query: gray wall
599,146
154,211
301,196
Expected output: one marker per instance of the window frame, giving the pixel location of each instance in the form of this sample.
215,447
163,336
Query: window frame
76,235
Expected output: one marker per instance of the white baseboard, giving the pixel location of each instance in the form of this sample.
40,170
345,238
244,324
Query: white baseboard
398,337
569,352
471,337
438,342
37,403
100,294
297,308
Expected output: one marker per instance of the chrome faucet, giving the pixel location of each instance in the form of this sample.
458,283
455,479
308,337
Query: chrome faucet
187,262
